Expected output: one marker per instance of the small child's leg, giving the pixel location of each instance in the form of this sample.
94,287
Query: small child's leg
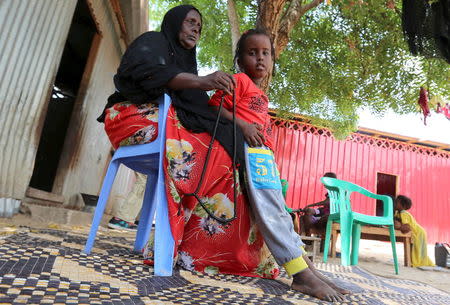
324,278
308,222
267,204
274,222
308,283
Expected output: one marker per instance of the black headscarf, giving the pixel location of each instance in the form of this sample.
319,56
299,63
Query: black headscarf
151,61
171,27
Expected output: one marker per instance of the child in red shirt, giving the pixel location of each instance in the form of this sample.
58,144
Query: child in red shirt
254,56
252,107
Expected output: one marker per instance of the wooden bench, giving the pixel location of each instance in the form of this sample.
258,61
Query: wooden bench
312,247
377,233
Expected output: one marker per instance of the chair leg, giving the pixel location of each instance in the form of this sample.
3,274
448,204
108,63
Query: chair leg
356,235
101,204
346,233
147,214
327,241
394,248
164,242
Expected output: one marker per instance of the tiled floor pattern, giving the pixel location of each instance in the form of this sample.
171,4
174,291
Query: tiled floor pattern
46,266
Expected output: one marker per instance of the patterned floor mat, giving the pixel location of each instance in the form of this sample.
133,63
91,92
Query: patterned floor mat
46,266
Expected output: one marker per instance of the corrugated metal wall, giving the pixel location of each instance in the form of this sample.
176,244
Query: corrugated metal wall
86,151
304,153
32,38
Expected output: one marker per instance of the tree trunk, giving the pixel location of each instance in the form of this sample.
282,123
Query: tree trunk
269,17
279,21
290,19
234,25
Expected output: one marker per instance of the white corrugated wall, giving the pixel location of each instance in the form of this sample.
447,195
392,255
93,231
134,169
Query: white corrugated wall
33,34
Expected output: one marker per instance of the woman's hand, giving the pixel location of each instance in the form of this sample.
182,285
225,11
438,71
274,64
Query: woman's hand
218,81
252,133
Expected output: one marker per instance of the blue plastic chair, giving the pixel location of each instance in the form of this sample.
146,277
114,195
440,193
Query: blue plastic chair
146,159
339,192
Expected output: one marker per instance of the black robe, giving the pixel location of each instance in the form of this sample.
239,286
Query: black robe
151,61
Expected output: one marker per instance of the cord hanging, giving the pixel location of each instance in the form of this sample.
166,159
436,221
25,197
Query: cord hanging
221,220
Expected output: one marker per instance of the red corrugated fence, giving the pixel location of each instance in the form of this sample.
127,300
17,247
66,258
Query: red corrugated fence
305,152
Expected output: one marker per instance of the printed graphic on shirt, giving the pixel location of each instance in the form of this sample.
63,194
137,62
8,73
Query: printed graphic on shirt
257,104
263,170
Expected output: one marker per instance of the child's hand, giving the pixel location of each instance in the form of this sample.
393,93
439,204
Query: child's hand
405,228
397,224
252,133
310,211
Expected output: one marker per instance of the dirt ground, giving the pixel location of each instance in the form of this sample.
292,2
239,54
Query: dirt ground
375,256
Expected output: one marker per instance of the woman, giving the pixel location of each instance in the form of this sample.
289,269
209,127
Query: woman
157,63
165,62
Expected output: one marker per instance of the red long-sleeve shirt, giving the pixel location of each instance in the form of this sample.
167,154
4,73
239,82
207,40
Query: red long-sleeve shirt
252,105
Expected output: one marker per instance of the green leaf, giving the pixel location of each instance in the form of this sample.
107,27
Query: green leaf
339,58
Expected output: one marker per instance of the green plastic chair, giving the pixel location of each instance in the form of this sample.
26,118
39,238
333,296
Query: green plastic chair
284,188
339,192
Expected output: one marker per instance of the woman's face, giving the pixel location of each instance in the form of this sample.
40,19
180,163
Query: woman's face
190,30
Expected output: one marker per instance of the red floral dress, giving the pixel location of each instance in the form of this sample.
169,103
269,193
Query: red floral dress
202,243
129,124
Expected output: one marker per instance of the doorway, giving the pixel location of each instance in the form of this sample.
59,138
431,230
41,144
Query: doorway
64,94
386,185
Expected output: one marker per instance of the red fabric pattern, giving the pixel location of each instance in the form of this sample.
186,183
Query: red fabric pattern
252,105
444,110
203,244
423,103
129,124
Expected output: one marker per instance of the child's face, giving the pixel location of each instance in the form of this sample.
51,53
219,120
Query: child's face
256,61
398,205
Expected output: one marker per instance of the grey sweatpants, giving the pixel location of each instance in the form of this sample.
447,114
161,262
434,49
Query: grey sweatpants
268,205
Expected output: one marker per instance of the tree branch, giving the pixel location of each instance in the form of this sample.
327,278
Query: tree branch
293,14
269,13
310,5
234,25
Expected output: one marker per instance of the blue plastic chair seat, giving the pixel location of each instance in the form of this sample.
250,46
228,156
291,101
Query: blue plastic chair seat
146,159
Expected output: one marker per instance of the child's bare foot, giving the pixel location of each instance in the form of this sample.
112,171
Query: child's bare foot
308,283
324,278
331,284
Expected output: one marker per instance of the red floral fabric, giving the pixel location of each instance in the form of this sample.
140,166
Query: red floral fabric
202,244
129,124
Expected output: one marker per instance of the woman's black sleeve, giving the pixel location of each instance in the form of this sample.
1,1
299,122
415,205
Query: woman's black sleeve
146,67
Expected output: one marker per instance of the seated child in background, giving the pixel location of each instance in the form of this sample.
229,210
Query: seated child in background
405,222
315,219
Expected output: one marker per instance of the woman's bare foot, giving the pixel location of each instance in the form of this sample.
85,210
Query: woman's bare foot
324,278
308,283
